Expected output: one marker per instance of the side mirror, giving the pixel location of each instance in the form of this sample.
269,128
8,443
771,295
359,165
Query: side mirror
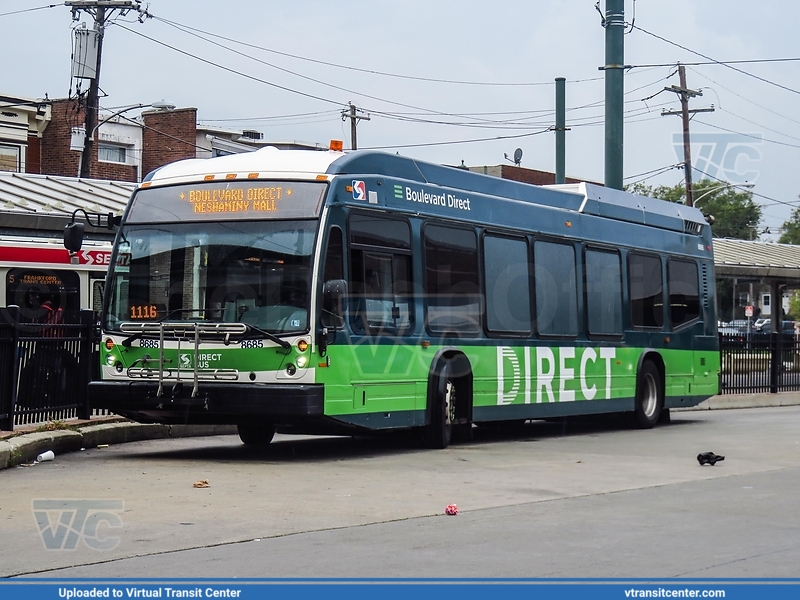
332,293
73,236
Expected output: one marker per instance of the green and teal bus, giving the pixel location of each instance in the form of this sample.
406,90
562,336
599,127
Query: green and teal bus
326,292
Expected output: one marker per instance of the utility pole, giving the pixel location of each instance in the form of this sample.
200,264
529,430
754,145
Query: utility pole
685,93
97,9
614,22
355,115
561,129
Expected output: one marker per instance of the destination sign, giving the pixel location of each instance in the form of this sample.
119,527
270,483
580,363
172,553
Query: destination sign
228,200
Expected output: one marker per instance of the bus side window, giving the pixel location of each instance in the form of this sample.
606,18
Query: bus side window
380,273
646,291
556,288
451,281
684,292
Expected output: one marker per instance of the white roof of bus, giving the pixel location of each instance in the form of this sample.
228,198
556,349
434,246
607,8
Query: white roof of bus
266,162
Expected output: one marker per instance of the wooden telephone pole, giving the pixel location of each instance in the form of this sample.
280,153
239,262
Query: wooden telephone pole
100,10
685,93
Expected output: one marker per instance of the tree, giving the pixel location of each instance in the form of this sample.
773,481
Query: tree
735,214
791,229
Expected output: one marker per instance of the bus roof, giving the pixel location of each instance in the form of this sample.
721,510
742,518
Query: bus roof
586,198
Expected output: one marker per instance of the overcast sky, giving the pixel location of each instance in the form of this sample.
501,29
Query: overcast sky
754,133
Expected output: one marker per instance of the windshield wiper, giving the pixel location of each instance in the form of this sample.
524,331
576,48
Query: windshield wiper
270,336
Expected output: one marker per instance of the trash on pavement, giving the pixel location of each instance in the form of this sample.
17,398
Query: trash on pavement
709,458
203,483
45,456
451,509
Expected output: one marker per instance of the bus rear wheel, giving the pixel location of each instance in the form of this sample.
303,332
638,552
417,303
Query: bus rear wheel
256,435
649,396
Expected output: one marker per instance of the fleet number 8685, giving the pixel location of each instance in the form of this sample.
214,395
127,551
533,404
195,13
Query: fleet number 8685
252,343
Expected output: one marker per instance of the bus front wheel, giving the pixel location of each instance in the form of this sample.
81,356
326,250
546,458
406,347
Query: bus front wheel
257,435
443,411
649,396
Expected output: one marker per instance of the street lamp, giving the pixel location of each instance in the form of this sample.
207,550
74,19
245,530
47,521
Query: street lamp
82,141
724,186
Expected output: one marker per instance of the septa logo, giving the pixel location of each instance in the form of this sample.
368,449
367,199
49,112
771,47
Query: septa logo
359,190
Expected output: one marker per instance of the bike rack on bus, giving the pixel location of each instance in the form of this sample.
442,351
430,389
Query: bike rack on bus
199,332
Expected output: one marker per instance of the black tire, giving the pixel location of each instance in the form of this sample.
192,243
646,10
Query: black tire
649,396
257,435
442,398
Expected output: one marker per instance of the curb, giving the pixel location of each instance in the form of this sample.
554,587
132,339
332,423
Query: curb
25,448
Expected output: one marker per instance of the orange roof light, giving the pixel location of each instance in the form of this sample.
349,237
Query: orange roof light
337,145
252,175
322,178
230,176
208,178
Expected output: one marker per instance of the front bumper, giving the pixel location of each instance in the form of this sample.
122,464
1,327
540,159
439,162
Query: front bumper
215,403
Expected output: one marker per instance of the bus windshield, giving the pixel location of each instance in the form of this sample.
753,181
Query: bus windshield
252,272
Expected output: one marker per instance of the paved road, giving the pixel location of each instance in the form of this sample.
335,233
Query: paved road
547,501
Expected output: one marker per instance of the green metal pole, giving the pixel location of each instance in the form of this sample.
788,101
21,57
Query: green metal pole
561,130
615,88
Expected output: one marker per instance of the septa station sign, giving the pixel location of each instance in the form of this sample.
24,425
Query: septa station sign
59,256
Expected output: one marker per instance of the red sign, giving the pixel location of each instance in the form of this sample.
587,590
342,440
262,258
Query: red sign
57,256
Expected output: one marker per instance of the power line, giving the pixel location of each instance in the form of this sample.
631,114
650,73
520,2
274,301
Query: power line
715,62
489,139
234,71
16,12
655,172
745,98
750,135
663,39
188,29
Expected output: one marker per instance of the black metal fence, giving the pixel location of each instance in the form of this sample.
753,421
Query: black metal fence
760,362
45,368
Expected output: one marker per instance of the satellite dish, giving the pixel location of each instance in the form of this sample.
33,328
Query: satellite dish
518,156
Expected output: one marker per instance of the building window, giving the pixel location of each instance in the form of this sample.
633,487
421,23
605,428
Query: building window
110,153
9,158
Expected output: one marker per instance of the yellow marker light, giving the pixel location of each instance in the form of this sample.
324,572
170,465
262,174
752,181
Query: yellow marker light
568,223
252,175
322,178
146,184
109,344
302,345
209,178
336,145
230,176
348,188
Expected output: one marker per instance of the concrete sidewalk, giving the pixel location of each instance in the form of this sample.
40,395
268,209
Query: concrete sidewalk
25,443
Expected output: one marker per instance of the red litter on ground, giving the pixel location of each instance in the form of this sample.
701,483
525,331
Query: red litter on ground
451,509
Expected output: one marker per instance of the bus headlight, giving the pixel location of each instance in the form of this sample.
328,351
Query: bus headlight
301,361
110,360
